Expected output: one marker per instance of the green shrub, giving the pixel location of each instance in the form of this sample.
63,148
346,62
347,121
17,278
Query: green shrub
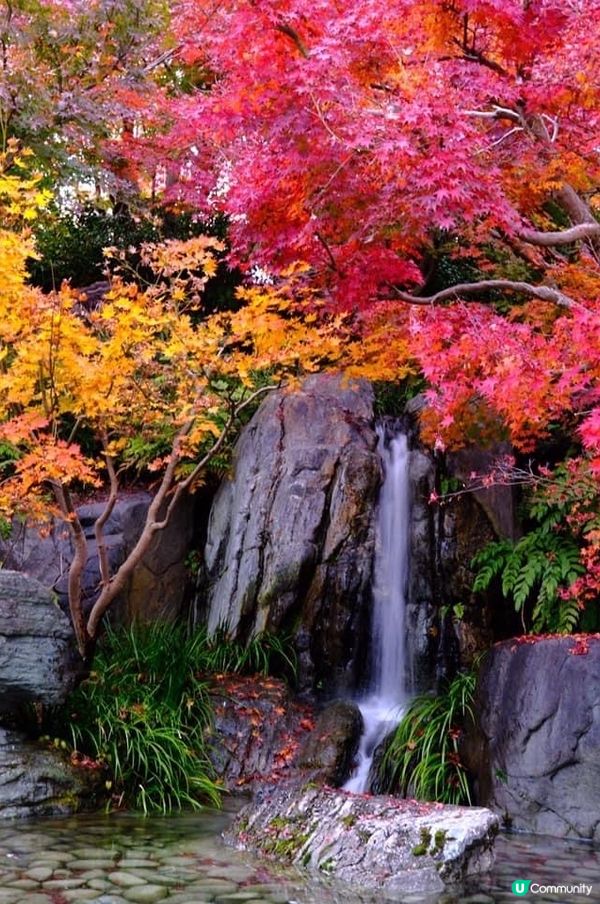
71,243
144,711
422,757
536,570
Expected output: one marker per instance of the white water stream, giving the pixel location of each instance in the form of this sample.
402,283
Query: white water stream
388,695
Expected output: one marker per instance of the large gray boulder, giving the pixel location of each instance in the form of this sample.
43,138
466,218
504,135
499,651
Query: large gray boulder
38,657
158,587
39,782
538,748
291,534
397,846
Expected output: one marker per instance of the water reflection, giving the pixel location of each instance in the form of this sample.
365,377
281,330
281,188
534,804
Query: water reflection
122,859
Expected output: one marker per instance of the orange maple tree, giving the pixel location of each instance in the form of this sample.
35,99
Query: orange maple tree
145,365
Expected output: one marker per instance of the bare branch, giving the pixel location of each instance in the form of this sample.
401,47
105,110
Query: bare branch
496,112
80,557
553,120
564,237
505,136
576,207
328,251
165,57
470,54
455,293
293,35
108,509
185,484
119,581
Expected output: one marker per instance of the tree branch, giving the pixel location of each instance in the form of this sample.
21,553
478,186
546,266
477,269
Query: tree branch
185,484
328,251
293,35
151,525
496,112
563,237
455,293
108,509
78,563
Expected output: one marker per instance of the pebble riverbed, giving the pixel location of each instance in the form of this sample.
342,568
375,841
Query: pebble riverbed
123,859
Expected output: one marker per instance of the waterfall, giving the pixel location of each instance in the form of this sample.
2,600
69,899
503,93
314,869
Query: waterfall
388,694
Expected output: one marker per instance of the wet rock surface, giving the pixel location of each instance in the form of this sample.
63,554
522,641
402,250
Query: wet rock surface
258,730
329,751
372,842
39,662
291,534
537,751
39,782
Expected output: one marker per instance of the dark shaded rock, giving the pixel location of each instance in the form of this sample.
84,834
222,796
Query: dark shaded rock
330,749
384,843
161,584
444,539
498,501
258,730
38,656
537,749
158,587
291,535
38,782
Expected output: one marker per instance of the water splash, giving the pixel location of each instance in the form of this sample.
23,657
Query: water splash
388,696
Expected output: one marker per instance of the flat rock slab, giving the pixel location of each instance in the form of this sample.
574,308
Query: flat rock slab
369,841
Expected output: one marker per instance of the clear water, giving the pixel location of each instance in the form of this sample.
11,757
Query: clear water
386,700
122,859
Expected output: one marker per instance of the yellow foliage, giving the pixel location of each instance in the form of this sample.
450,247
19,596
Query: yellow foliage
145,364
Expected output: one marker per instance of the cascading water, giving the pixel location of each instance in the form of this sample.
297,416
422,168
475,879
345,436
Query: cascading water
388,694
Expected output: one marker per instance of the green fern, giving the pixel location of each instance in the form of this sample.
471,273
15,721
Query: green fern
537,570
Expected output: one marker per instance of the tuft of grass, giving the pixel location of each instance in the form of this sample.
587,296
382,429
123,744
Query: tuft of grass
422,758
264,654
145,711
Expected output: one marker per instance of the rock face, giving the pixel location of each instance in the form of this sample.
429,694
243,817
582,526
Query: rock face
37,782
38,657
291,538
158,587
443,540
291,535
39,663
330,749
258,730
538,748
373,842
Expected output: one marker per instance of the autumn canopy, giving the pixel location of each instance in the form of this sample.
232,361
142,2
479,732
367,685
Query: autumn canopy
411,191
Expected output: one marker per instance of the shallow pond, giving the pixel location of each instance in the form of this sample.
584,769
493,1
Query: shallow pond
122,859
